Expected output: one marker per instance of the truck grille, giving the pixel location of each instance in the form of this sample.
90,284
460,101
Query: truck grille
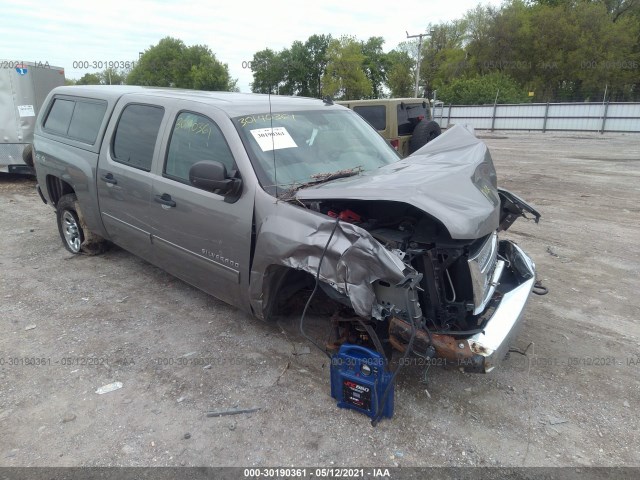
482,265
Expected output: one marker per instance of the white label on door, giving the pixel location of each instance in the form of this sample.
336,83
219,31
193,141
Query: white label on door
26,111
273,139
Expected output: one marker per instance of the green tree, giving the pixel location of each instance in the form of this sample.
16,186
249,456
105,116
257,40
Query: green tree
483,89
316,47
292,71
111,76
560,49
443,57
563,50
296,64
268,71
620,8
577,51
305,66
480,50
375,64
89,79
344,77
606,53
171,63
400,77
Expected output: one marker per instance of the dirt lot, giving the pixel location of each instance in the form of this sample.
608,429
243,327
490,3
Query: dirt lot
91,321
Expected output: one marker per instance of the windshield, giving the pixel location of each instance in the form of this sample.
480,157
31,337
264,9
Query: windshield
309,146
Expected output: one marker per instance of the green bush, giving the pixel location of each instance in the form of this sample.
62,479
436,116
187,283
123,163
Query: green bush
482,89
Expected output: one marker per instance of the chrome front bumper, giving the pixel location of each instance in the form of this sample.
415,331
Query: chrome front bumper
516,282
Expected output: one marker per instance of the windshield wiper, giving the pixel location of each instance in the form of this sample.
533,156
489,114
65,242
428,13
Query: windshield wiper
318,178
325,177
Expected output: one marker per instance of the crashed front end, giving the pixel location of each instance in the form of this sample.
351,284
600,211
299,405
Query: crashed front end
472,334
415,249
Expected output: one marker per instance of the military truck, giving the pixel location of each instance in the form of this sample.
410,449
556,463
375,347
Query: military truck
405,122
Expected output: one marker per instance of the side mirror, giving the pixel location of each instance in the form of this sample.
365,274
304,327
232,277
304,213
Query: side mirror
212,176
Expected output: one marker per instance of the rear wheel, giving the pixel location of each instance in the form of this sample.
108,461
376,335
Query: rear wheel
424,132
27,155
75,235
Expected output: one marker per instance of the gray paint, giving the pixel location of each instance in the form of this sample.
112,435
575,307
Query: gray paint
295,237
232,103
287,235
236,251
438,179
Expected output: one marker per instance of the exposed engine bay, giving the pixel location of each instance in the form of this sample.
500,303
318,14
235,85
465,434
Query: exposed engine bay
451,293
445,292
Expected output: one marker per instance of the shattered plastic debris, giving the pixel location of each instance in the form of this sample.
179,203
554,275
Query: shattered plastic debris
109,388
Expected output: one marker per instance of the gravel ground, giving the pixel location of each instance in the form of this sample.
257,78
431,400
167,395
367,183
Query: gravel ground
69,325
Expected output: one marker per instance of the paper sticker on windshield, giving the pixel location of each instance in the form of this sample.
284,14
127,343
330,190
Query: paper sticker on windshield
273,139
26,111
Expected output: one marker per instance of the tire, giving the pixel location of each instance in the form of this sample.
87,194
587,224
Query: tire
27,155
74,233
424,132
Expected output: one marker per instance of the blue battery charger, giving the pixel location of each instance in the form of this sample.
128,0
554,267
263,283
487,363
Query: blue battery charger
359,378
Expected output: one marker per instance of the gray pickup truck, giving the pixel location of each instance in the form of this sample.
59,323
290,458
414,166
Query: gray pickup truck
255,199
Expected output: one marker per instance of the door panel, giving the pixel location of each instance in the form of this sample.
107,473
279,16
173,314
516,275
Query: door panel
124,180
202,240
196,235
124,206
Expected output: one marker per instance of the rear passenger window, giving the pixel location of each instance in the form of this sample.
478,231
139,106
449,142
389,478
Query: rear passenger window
376,115
86,120
59,116
195,138
409,116
76,118
136,134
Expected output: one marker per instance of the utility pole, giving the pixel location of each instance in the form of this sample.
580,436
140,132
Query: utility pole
419,37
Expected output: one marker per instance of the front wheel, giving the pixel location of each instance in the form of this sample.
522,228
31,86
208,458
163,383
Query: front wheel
73,232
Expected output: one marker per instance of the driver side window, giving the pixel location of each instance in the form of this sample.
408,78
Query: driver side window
195,138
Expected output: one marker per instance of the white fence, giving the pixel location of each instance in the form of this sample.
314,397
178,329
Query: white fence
586,117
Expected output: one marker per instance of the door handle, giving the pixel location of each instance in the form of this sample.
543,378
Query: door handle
165,199
108,178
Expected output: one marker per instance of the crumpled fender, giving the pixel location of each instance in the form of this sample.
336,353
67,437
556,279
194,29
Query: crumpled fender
295,237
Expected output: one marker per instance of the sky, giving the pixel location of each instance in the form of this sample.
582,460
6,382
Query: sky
65,32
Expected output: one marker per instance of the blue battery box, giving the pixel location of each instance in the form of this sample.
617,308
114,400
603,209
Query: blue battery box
359,377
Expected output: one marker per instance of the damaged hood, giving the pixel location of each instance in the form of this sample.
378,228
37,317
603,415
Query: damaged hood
452,178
